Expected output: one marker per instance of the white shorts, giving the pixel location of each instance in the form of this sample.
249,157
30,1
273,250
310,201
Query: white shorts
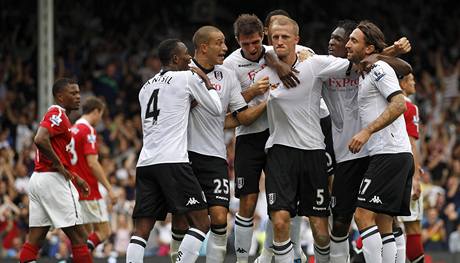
53,201
416,211
94,211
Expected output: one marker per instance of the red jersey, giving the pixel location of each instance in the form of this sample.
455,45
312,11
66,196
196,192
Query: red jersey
84,138
411,118
58,125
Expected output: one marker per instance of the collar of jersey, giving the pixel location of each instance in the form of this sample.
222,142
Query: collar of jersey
206,71
56,106
258,59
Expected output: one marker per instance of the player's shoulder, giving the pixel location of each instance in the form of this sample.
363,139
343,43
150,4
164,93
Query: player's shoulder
53,109
233,58
56,115
299,48
224,69
380,69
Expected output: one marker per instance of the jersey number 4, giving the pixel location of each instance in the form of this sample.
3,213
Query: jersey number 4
155,111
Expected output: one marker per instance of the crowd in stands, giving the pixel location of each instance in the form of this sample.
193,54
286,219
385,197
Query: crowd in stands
109,47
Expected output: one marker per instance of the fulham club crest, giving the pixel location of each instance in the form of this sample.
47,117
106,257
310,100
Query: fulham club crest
271,198
218,75
240,182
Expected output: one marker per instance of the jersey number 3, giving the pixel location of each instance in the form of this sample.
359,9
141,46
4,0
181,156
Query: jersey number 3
155,111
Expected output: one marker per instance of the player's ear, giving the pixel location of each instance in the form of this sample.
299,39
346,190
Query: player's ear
203,48
369,49
175,59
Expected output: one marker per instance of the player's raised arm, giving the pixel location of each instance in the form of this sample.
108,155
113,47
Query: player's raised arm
203,92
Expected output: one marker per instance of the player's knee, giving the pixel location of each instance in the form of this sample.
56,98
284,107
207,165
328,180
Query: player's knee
248,205
364,218
280,224
341,225
105,231
219,219
413,227
199,220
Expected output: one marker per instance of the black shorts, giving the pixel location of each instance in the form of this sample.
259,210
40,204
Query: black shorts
387,183
347,179
212,173
250,159
167,187
296,181
326,127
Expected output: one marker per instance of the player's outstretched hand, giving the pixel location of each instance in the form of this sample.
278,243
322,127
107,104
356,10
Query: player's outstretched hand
287,75
357,142
83,185
203,76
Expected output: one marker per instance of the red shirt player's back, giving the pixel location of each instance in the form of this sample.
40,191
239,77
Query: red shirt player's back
412,119
84,138
58,125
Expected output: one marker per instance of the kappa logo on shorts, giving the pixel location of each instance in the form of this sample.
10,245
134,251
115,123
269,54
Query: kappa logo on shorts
376,200
271,198
239,182
192,201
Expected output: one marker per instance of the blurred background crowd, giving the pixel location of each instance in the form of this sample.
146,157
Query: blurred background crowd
109,47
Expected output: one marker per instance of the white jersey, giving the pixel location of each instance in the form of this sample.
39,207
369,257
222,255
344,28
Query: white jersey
245,71
206,131
294,114
374,90
323,110
341,97
165,105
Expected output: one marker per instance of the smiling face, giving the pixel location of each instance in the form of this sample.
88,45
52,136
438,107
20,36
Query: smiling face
337,43
356,46
251,45
215,48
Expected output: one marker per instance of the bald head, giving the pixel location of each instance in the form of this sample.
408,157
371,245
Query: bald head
203,34
285,21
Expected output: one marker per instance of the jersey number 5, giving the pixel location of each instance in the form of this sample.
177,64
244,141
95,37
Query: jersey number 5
155,111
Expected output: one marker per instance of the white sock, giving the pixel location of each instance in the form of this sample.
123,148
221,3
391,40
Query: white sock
295,237
217,244
400,245
339,249
135,251
243,237
322,253
389,248
177,237
283,251
190,247
372,244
